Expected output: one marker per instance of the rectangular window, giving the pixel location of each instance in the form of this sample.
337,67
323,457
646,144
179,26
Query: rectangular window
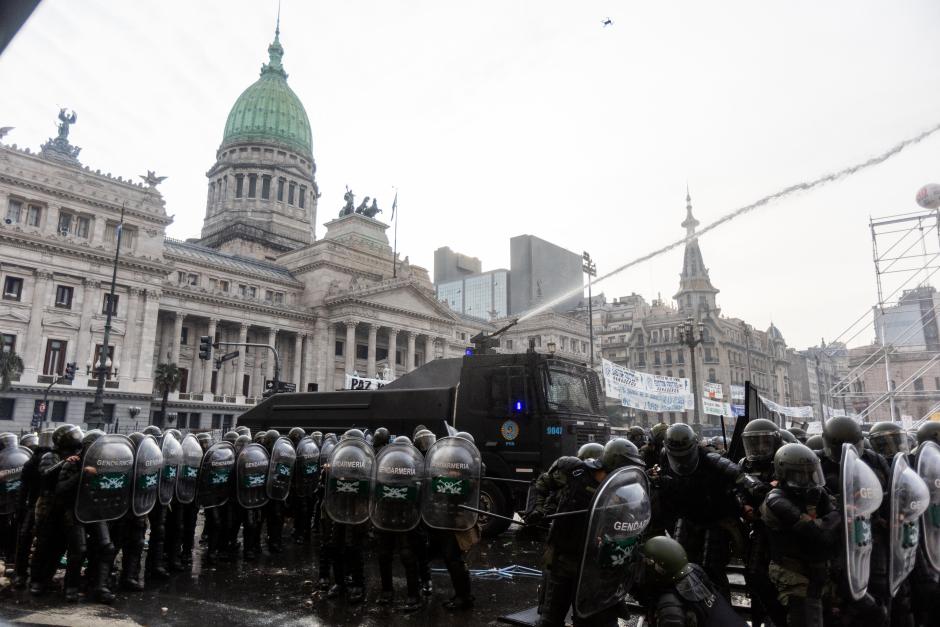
252,291
12,288
301,196
65,223
509,344
63,296
280,190
338,349
34,215
107,304
290,193
252,185
107,412
184,336
97,361
242,290
60,409
192,279
14,211
265,187
194,420
184,380
8,343
6,408
214,383
246,385
278,298
216,421
362,351
227,420
268,296
82,227
381,354
398,359
239,184
54,362
918,384
223,286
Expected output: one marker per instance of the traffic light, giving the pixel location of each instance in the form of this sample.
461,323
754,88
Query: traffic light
205,347
70,370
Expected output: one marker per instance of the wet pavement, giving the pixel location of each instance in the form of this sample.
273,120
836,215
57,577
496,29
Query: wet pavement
279,590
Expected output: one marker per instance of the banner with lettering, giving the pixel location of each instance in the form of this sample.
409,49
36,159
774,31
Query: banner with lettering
737,392
646,392
717,408
712,391
793,412
354,382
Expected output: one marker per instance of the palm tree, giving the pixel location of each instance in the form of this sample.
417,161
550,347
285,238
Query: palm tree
10,367
166,379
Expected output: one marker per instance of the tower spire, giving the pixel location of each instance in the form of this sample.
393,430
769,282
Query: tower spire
690,222
275,50
277,27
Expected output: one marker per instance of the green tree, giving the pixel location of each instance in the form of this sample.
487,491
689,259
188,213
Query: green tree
10,367
166,380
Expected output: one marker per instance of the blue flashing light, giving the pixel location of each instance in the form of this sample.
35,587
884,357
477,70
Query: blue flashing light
468,352
518,405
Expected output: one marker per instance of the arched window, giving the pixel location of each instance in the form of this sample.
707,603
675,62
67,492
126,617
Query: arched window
265,187
301,197
290,193
280,190
239,185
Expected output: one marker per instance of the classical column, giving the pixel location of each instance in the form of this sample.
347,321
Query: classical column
329,375
261,355
373,332
240,360
131,343
350,346
34,330
207,366
410,365
298,354
82,353
428,349
177,334
148,336
308,355
321,355
392,350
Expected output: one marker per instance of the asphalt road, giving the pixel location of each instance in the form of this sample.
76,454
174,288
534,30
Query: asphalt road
279,590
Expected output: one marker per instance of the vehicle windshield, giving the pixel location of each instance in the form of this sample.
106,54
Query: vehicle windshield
568,390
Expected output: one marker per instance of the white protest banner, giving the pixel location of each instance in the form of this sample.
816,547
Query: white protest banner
907,422
713,391
716,408
814,428
644,391
792,412
737,392
836,413
362,383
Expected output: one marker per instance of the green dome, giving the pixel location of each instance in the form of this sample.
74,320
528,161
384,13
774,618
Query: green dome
270,111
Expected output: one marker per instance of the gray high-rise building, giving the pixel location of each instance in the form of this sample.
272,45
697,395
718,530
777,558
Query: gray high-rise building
450,265
483,296
541,272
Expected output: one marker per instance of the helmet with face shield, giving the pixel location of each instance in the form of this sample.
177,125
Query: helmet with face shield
761,438
888,439
797,468
681,446
839,431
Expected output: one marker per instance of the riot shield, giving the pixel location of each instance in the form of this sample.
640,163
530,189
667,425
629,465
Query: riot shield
215,475
281,469
928,467
252,476
148,463
399,473
326,449
861,497
11,476
104,488
350,482
188,477
307,470
909,499
620,511
172,458
453,467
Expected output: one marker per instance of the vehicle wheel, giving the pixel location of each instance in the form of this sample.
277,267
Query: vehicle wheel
493,499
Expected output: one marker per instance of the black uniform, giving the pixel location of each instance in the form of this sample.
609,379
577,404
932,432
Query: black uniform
692,601
50,536
764,602
29,494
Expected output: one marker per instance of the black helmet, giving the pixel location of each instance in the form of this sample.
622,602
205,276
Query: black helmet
69,439
90,436
381,438
620,452
317,436
464,435
296,434
353,433
815,442
259,437
888,439
591,450
269,437
839,431
30,441
136,437
928,432
665,559
8,440
230,436
424,439
797,468
658,433
57,433
414,434
761,439
176,434
787,437
243,430
241,441
205,441
681,445
402,439
330,437
637,435
153,430
799,433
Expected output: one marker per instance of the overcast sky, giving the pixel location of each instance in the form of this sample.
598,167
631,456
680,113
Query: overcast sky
498,118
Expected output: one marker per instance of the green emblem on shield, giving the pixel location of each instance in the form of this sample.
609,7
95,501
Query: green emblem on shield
255,480
283,469
862,531
219,476
110,481
169,472
397,493
349,486
190,472
617,553
450,487
147,482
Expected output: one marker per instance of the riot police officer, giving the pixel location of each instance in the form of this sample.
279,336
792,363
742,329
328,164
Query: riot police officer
652,450
637,435
549,483
928,431
576,486
29,494
803,526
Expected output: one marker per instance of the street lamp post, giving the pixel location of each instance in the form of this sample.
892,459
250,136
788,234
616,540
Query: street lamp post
591,269
96,419
687,337
747,349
